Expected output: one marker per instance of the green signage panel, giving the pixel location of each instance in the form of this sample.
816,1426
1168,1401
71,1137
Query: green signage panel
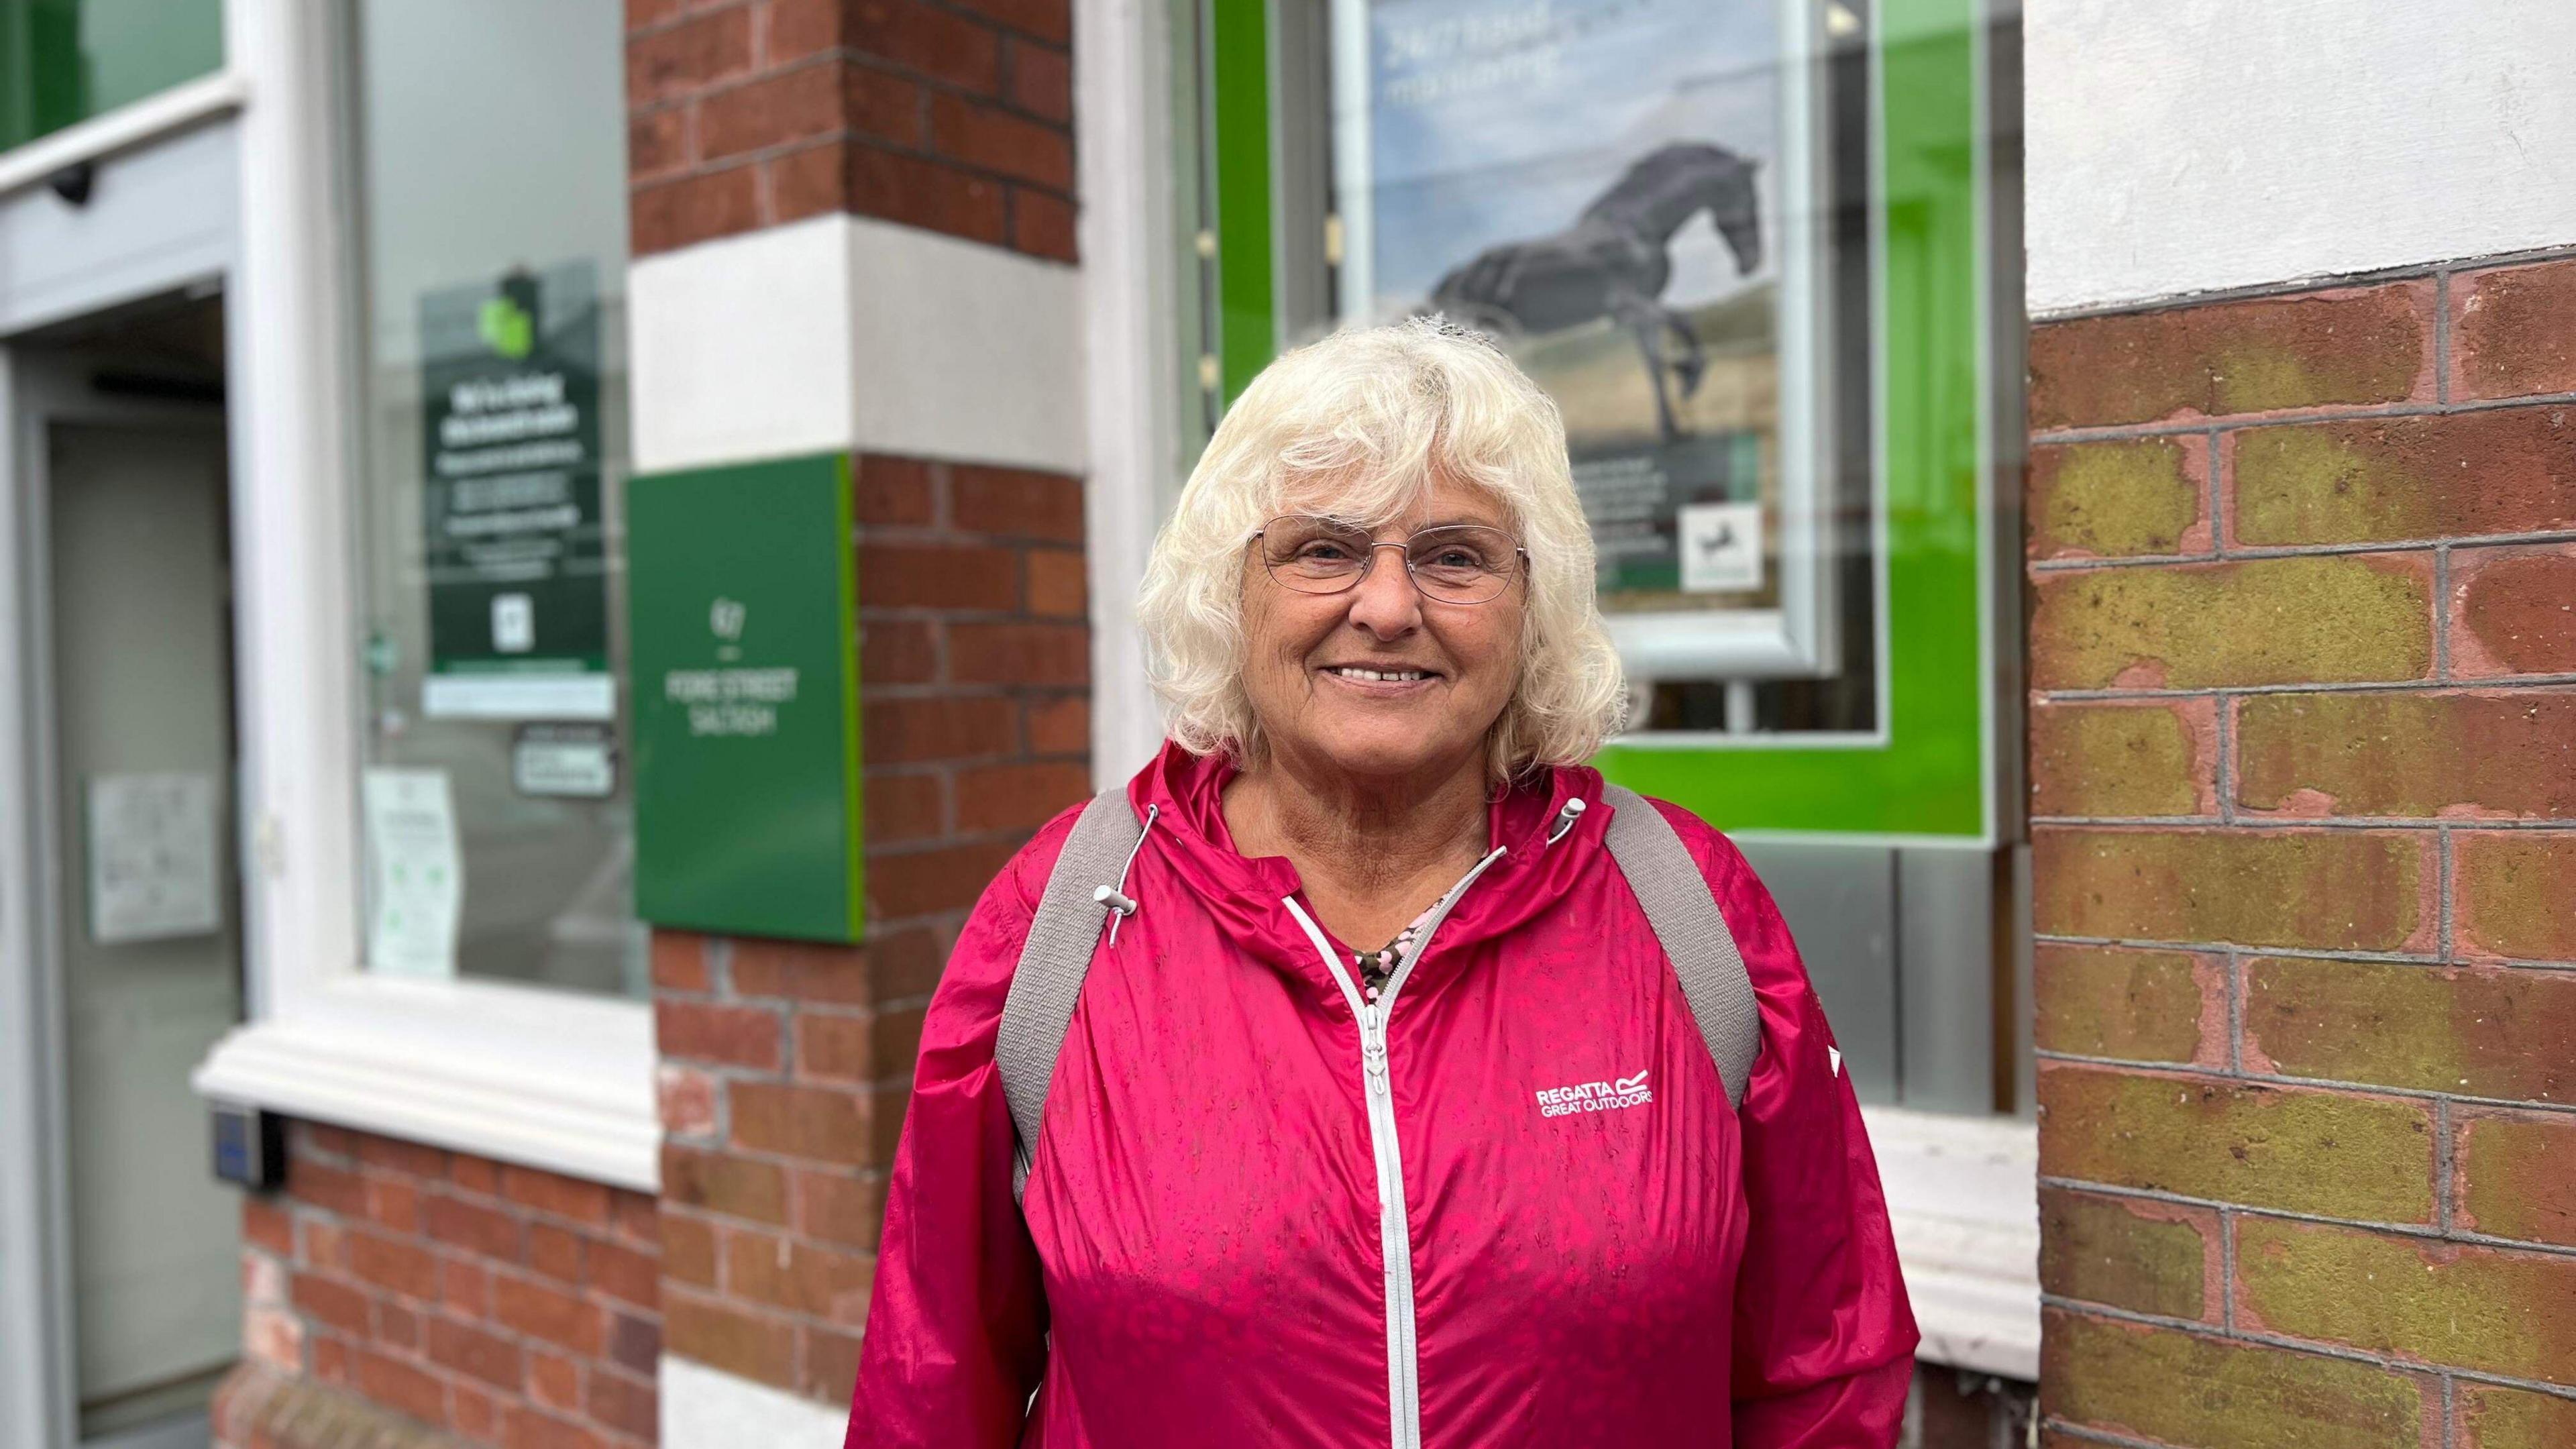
742,606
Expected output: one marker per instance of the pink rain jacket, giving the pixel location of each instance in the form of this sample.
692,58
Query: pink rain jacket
1601,1251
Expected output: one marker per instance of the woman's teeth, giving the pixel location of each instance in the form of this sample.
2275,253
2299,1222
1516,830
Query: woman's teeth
1394,676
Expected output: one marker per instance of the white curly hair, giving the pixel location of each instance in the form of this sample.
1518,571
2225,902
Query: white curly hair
1358,425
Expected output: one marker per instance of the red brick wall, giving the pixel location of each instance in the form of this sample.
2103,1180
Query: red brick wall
955,117
786,1066
2303,764
498,1304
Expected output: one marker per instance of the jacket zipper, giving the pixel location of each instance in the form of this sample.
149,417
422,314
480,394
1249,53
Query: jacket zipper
1395,1229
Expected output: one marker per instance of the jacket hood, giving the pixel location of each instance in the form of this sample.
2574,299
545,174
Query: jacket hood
1188,836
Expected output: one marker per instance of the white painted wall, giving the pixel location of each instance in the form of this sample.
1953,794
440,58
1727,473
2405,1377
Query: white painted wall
841,332
2179,146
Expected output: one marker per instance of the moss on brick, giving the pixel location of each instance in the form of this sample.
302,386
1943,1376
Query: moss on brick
2114,499
2517,894
2481,1033
2334,1154
2340,347
2515,1176
2410,754
2099,1001
2181,1388
2333,620
2501,1418
2494,1310
2332,889
2121,759
2141,1256
2511,470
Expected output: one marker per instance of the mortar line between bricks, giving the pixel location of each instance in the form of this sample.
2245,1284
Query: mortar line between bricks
2442,612
2237,422
2242,553
2442,336
2223,713
2442,1165
2263,291
2227,1268
2271,821
2450,1410
2415,1232
2359,686
2235,1011
2069,1430
2205,948
2277,1079
2447,940
2217,526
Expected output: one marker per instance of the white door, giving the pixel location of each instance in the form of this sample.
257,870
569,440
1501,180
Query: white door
148,939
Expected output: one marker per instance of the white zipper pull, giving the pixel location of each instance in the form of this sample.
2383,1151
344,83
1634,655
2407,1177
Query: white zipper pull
1373,1046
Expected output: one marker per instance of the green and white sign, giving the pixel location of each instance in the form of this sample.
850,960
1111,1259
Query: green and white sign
513,540
742,615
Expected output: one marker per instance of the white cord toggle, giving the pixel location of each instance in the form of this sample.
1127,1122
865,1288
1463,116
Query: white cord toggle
1122,905
1565,819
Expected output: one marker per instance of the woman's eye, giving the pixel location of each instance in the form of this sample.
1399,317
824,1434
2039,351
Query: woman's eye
1323,551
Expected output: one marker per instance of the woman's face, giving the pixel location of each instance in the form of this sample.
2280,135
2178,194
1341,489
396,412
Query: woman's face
1317,714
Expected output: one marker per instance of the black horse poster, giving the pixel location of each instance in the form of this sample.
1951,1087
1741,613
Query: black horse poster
1599,185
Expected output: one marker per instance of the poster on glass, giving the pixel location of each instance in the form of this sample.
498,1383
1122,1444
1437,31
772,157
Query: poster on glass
1622,193
514,545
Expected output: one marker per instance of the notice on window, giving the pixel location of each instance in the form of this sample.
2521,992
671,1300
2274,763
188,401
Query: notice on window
514,545
155,856
572,761
415,873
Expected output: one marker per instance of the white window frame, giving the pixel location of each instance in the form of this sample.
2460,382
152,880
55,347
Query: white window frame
546,1078
1962,1191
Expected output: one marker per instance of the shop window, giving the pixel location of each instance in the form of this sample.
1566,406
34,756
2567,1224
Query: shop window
64,61
489,160
1747,246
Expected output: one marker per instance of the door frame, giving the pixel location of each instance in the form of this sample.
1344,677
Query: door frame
40,388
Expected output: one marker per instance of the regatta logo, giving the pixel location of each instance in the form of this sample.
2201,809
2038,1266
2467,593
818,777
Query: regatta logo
1595,1097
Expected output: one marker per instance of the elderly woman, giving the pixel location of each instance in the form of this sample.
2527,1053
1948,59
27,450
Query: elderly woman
1381,1116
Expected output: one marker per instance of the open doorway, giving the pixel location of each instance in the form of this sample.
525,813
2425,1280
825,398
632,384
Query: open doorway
117,441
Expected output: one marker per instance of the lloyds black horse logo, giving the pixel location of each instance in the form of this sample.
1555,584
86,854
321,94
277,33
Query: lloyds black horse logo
1615,261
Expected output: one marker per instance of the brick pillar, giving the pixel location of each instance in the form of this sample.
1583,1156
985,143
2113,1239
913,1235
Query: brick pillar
2303,761
785,1065
753,113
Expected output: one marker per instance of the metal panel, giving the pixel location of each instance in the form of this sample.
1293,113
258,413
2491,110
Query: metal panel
157,219
1945,950
1840,903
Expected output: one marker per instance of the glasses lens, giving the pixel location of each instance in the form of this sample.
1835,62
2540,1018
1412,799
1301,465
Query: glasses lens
1315,555
1462,563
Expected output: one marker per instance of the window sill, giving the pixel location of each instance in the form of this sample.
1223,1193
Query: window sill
1963,1197
540,1078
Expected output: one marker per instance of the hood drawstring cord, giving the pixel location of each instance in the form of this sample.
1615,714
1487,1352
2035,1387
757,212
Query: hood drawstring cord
1120,904
1565,819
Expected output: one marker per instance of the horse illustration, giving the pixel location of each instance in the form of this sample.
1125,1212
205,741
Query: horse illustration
1615,262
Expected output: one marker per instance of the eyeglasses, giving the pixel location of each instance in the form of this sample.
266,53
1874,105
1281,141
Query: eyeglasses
1454,563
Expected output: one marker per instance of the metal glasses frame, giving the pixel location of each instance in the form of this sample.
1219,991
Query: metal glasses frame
1404,547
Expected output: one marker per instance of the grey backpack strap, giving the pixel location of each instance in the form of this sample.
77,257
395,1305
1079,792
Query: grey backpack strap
1693,932
1079,898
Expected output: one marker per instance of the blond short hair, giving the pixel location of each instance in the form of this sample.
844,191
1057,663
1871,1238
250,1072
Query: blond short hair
1358,425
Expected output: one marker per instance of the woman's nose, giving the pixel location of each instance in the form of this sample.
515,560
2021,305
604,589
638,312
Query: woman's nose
1384,602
